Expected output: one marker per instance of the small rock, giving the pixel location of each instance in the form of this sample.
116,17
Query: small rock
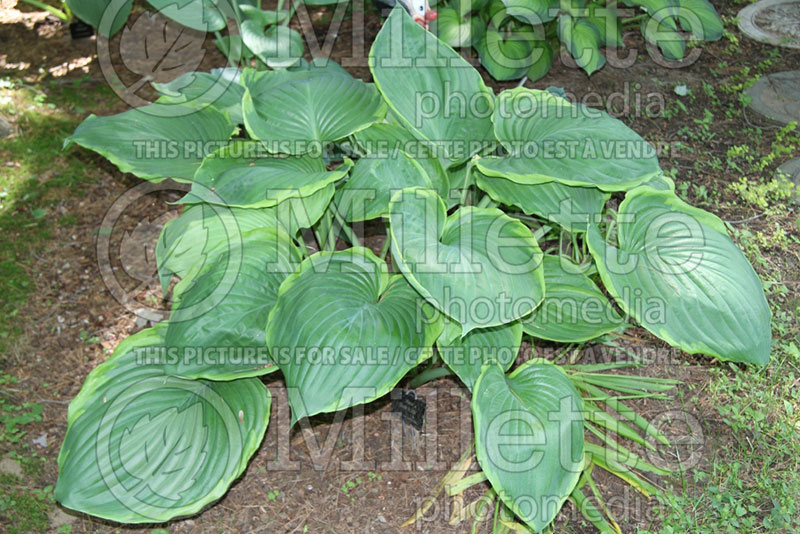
5,128
777,96
41,440
146,317
791,171
381,518
58,518
141,322
10,467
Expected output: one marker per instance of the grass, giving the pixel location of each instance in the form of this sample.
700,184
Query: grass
35,175
24,510
750,482
22,507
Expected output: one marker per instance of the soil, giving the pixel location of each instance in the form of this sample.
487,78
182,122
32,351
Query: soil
51,359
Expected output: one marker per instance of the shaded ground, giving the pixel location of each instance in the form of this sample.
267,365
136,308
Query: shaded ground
61,321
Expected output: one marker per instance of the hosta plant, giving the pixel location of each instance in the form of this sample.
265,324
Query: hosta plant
517,38
263,36
498,229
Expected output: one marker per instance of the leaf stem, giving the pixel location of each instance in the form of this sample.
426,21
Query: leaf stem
576,250
53,10
292,9
465,483
427,375
330,243
523,217
387,243
351,235
320,240
302,243
487,202
635,19
610,230
490,498
467,184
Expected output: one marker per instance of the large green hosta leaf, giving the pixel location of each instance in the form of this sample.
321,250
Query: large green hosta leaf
571,207
436,94
322,2
144,447
261,82
279,46
223,309
93,13
452,28
607,20
677,272
661,182
478,266
309,110
550,139
541,60
506,58
344,331
467,355
660,27
666,36
662,10
529,437
242,175
202,232
200,15
152,146
700,18
265,17
383,139
369,189
583,40
574,309
532,11
296,213
218,88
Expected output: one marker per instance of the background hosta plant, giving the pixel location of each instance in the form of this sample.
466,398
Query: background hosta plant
516,38
512,38
263,37
494,238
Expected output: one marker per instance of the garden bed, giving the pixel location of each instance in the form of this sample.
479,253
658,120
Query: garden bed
63,321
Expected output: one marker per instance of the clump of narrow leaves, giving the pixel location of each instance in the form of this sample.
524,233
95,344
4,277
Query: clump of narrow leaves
497,228
516,38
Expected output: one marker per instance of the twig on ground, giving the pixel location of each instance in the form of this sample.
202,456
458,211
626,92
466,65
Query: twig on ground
746,220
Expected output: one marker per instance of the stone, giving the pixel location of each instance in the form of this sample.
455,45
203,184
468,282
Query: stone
10,467
5,128
41,441
777,96
775,22
791,171
58,518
